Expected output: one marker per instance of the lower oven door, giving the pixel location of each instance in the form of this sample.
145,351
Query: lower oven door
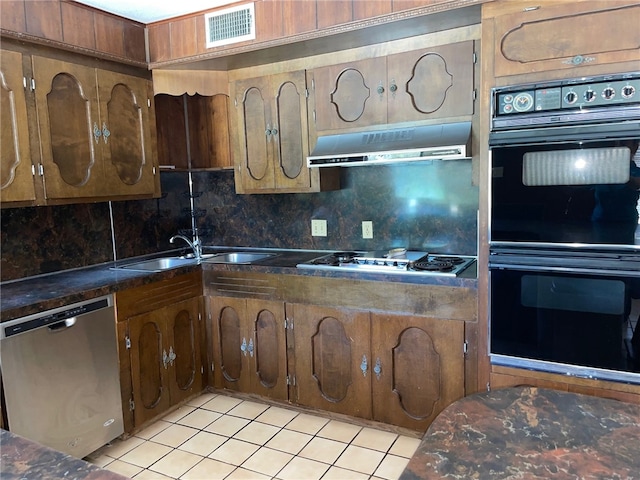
570,323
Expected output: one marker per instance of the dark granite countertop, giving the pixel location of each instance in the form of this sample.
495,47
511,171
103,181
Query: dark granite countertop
530,433
23,459
34,294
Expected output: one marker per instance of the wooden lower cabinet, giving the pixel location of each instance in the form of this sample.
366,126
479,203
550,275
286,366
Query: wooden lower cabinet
249,346
418,368
396,369
160,349
332,358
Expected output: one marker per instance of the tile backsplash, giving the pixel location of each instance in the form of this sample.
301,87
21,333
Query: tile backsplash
427,205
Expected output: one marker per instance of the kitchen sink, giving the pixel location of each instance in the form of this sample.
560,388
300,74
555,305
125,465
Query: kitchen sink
239,257
163,263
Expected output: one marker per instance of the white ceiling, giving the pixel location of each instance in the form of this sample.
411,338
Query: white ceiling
148,11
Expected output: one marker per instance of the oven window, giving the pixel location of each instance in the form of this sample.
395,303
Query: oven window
575,319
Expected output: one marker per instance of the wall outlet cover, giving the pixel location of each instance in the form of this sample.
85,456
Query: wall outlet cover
367,229
318,228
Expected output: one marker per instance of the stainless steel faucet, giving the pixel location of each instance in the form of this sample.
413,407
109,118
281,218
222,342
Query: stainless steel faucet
195,244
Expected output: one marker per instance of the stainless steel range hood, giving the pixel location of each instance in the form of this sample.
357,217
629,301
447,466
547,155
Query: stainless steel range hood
432,142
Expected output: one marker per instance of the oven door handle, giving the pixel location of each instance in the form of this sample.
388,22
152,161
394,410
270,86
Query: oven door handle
556,269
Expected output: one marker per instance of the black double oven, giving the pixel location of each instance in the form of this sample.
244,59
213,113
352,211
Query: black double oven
564,260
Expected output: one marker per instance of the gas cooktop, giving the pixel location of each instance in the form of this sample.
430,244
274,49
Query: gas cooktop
396,261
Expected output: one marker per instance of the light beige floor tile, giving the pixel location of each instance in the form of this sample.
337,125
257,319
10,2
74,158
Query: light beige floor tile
227,425
234,452
146,454
303,468
151,475
120,447
153,429
391,467
267,461
208,469
203,443
276,416
360,459
307,424
175,435
375,439
243,474
179,413
289,441
405,446
176,463
323,450
123,468
100,461
339,431
337,473
248,410
257,432
221,404
202,399
199,418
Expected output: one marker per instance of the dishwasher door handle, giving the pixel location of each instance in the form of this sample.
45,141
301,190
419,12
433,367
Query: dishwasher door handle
68,323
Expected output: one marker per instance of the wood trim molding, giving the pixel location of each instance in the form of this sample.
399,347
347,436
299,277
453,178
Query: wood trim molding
203,82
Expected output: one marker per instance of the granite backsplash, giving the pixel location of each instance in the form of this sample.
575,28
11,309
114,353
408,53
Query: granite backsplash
430,206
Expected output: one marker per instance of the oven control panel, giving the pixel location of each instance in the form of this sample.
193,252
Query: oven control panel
568,95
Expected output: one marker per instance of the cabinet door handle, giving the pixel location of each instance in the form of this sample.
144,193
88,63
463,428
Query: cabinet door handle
165,359
380,89
364,365
393,88
377,369
267,132
250,348
172,356
274,130
96,132
243,347
105,132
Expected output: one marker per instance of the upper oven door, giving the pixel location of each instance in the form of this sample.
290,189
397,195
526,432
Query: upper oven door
566,194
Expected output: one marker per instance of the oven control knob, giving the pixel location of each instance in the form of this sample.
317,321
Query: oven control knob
571,98
608,93
589,95
628,91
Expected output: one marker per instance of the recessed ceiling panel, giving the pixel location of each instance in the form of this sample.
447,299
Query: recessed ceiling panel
149,11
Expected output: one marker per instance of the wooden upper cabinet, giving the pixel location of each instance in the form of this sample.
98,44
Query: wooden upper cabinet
16,175
419,85
417,368
561,35
270,136
94,131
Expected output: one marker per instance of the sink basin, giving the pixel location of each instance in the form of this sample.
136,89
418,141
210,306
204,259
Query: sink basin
239,257
159,264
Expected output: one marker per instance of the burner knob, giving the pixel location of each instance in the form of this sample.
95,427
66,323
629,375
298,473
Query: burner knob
608,93
628,91
571,98
589,95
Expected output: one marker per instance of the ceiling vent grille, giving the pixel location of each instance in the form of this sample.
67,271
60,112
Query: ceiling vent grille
231,25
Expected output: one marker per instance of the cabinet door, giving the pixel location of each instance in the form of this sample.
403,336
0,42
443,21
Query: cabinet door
268,348
230,343
149,373
291,142
566,36
125,142
333,364
69,127
433,83
16,178
418,368
350,95
253,135
183,336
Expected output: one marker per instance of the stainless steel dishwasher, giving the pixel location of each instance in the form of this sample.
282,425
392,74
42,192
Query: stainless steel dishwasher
61,376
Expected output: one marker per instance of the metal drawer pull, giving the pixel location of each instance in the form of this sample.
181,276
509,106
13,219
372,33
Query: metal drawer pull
165,359
250,348
172,356
243,347
105,132
96,132
377,369
364,365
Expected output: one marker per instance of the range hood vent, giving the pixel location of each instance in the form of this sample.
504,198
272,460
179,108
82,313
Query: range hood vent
432,142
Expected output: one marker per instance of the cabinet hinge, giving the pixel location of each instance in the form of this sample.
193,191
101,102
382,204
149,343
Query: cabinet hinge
288,324
132,405
212,367
474,94
291,380
488,387
202,369
148,102
154,170
199,316
33,84
306,93
40,170
314,117
235,102
127,342
465,347
33,170
24,82
475,58
313,84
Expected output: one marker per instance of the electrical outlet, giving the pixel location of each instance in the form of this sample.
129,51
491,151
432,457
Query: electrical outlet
367,229
319,228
